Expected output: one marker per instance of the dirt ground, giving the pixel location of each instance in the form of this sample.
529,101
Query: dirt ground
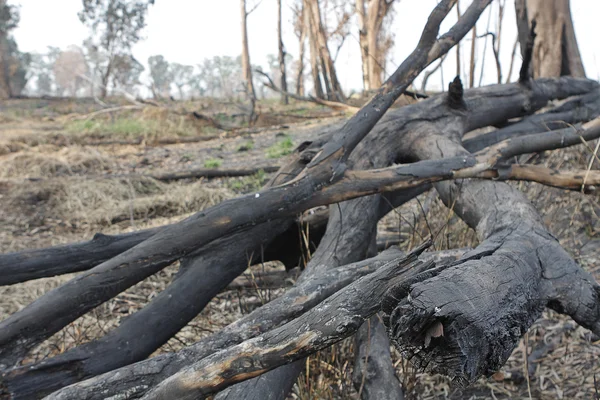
67,173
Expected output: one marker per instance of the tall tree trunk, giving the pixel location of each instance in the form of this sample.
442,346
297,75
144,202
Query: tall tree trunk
375,14
246,54
5,92
105,79
555,51
300,72
472,64
362,40
335,90
314,52
458,44
284,98
370,23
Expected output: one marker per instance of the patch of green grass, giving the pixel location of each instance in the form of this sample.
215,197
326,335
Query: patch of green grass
282,148
250,183
122,127
212,163
248,145
187,157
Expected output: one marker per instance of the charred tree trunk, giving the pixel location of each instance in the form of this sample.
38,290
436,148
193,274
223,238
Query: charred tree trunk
556,52
281,54
300,298
338,317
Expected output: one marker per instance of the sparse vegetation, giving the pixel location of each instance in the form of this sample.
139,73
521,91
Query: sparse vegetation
282,148
121,127
248,184
213,163
248,145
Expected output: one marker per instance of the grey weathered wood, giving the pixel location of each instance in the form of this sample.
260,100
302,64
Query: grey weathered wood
466,321
374,376
28,327
580,109
332,320
381,148
136,379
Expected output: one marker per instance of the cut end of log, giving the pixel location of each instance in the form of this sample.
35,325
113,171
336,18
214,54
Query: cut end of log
444,325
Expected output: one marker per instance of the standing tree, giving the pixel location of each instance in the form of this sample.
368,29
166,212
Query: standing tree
69,68
320,55
300,31
182,76
375,42
282,53
115,25
127,71
246,66
161,76
18,67
555,52
9,19
41,70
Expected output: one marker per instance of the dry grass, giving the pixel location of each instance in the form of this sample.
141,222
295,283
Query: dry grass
48,161
64,207
108,201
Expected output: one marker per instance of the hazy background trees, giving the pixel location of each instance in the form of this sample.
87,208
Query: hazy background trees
115,26
104,64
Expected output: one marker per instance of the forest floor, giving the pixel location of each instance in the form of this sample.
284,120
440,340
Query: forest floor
66,174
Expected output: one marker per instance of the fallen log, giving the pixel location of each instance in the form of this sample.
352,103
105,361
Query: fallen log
155,141
577,110
137,378
334,319
335,105
212,173
57,308
354,184
461,162
465,322
487,106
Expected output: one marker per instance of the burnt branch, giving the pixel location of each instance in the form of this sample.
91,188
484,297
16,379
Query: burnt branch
57,308
334,319
296,301
526,67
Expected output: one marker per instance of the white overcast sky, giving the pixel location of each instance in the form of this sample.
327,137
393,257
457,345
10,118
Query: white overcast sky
187,31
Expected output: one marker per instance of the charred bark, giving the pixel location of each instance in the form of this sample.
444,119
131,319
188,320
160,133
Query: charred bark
337,317
138,378
57,308
466,321
374,376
